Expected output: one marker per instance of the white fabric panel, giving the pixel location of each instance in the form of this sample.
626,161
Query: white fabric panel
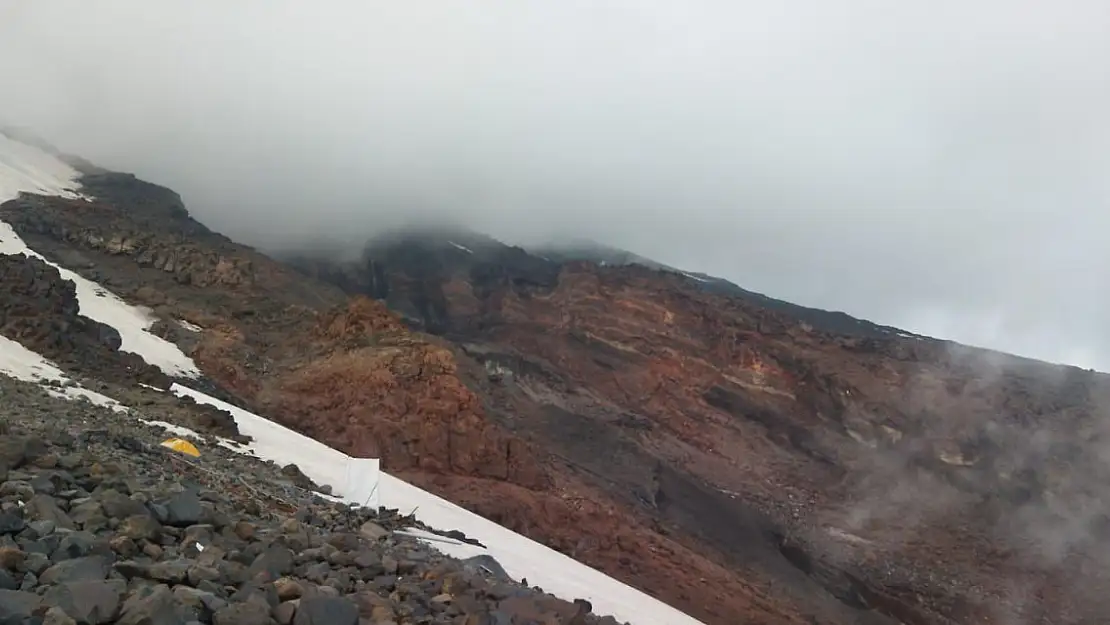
363,480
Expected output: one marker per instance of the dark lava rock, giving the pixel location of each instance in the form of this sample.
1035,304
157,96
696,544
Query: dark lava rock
272,563
89,603
242,614
45,508
10,523
153,606
16,607
90,568
326,611
183,509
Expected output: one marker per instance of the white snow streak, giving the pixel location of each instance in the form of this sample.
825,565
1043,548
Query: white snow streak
693,277
462,247
176,430
192,327
27,168
23,364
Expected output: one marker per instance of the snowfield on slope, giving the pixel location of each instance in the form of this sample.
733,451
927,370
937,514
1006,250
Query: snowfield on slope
24,168
18,362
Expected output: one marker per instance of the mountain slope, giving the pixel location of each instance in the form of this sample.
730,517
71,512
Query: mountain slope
344,371
744,461
899,477
44,311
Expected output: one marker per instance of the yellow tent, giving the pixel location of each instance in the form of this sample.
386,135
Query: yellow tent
181,445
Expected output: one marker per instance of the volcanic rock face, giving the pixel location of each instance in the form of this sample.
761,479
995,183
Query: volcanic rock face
740,459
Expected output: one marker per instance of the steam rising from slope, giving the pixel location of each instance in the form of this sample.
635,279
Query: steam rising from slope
935,165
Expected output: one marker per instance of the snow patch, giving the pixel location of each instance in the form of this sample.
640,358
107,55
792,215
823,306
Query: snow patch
462,247
521,557
693,277
838,533
75,393
176,430
25,168
18,362
192,327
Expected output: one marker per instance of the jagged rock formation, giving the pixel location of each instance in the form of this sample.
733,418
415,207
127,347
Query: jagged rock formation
743,461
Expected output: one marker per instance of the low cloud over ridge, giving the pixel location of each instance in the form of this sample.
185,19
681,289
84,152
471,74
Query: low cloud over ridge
935,165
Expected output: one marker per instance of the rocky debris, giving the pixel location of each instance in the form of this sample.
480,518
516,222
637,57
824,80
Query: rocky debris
100,525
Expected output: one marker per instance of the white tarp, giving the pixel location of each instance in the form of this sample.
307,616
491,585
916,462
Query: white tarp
363,481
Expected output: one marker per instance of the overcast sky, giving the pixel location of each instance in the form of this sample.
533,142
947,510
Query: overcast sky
939,164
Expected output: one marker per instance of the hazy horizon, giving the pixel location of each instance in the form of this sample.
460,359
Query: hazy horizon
932,166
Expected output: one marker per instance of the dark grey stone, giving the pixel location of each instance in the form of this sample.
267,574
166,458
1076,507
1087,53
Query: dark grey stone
272,563
11,523
326,611
183,509
89,603
154,606
242,614
89,568
17,606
